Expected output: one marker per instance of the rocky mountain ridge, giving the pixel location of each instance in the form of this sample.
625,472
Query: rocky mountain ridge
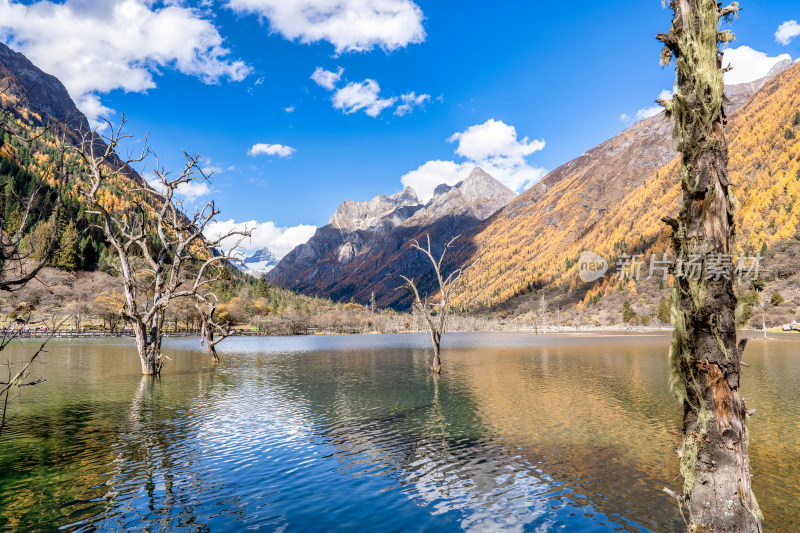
380,212
38,91
370,238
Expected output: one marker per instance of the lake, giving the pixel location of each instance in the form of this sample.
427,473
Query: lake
520,432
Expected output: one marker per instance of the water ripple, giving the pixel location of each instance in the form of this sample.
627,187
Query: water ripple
309,434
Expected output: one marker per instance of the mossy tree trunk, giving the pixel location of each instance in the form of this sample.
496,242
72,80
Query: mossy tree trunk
705,356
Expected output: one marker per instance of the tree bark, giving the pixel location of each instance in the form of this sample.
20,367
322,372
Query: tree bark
210,344
436,363
148,346
705,358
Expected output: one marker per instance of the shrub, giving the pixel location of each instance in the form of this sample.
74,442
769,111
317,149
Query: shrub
663,311
627,312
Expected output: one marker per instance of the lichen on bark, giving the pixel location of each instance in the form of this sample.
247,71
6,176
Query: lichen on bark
704,354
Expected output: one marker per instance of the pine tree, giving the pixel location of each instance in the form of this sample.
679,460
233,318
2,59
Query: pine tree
663,311
89,254
627,312
67,256
40,238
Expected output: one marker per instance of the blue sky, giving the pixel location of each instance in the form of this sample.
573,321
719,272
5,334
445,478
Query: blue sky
407,92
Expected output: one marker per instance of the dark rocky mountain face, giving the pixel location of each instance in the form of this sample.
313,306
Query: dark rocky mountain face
366,243
48,104
39,92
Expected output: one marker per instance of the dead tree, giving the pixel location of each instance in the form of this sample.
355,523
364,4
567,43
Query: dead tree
156,241
705,357
207,306
15,380
543,312
435,315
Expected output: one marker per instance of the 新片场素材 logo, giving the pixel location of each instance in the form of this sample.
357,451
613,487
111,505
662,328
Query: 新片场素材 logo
591,266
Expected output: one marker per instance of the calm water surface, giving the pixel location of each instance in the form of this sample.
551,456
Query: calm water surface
320,433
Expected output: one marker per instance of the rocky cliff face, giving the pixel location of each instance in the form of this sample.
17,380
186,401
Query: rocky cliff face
382,212
40,92
366,243
478,196
39,99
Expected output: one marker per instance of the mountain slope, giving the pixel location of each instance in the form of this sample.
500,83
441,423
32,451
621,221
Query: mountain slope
610,199
37,106
366,243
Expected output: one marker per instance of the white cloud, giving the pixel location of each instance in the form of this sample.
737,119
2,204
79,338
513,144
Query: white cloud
279,240
357,96
187,191
410,101
494,147
493,138
651,111
748,64
92,107
648,112
96,47
289,109
349,25
211,170
325,78
666,94
787,32
270,149
432,174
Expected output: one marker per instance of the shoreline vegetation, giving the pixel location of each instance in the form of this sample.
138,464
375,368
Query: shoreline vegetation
90,303
632,331
87,305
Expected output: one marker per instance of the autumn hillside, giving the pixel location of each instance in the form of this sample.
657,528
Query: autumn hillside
46,123
611,200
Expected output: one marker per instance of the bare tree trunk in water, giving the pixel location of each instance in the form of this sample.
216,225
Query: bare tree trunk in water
704,356
435,315
206,304
207,338
436,363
